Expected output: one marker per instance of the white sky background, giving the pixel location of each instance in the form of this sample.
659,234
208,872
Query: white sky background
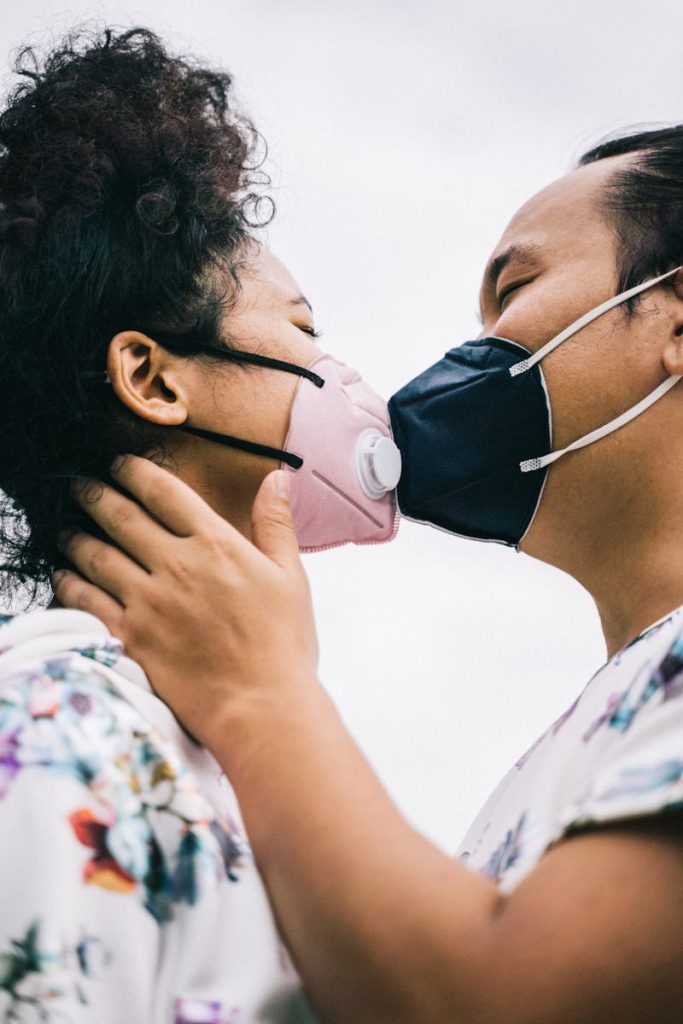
402,138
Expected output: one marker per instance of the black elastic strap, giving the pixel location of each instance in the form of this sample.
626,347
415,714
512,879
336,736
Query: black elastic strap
242,357
237,356
234,355
295,461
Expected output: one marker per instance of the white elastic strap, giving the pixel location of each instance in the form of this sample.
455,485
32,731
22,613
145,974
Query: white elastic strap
529,465
583,321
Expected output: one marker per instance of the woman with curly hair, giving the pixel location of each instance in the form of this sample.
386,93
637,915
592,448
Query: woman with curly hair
131,292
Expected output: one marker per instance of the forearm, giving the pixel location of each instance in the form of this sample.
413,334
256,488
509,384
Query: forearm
383,926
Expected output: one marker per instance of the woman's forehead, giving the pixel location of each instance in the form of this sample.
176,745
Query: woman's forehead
266,277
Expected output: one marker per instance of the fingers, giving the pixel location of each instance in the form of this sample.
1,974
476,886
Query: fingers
272,524
72,591
104,565
170,500
122,519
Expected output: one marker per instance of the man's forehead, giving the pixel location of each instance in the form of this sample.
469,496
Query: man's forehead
561,215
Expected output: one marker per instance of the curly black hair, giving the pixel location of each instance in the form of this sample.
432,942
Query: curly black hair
127,178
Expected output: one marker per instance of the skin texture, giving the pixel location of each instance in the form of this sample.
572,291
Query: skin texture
270,318
383,926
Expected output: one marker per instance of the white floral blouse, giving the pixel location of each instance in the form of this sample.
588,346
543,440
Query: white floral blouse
616,753
128,894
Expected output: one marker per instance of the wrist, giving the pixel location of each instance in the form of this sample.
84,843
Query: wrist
245,730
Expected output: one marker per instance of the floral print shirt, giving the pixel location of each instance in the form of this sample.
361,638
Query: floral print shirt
616,753
128,892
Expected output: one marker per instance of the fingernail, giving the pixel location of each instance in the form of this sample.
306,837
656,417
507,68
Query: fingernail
63,538
88,490
282,483
117,463
57,575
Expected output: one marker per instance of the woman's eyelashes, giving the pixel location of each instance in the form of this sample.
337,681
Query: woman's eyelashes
311,331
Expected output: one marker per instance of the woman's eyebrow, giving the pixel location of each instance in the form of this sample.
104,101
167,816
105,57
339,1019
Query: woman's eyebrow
300,300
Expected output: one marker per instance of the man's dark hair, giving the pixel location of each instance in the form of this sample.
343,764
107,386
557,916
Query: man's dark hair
128,187
644,201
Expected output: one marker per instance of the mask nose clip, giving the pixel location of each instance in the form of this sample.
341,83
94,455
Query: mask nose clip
378,463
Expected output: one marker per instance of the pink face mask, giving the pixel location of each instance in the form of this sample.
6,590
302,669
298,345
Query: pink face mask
339,451
345,490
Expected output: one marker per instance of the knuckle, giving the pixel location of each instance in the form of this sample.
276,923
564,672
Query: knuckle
65,538
100,559
179,570
70,543
132,634
183,568
88,491
148,607
120,517
137,626
210,532
216,547
81,600
281,518
165,488
63,588
156,607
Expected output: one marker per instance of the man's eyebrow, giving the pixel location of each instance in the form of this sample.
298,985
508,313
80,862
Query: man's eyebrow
522,252
300,300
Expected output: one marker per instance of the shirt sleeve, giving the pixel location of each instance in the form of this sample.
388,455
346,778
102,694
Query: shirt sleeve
638,770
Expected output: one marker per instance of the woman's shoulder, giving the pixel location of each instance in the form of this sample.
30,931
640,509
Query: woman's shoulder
62,720
56,681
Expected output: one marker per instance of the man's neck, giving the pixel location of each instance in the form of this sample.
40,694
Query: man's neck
636,599
634,584
631,564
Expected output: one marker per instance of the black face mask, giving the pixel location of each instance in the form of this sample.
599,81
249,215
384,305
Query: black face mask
475,434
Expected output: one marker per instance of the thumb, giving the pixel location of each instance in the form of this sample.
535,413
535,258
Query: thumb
271,520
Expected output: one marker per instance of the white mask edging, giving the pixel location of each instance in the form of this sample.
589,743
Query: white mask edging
540,462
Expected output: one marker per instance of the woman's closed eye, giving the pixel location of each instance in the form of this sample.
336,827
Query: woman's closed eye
311,331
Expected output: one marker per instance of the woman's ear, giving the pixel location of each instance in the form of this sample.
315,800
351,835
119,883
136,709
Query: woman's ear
145,377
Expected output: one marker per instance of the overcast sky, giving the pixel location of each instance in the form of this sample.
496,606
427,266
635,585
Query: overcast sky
402,138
